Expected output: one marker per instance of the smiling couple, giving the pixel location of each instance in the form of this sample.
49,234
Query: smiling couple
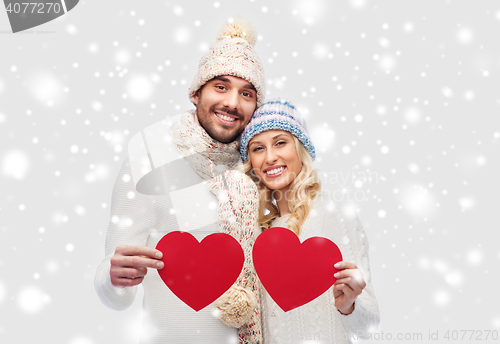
245,165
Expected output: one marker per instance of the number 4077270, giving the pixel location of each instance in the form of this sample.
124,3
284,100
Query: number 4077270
36,7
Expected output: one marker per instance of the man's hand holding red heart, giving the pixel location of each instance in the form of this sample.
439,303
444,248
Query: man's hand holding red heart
130,262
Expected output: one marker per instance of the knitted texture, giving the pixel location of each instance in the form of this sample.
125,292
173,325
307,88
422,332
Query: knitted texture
319,320
232,54
143,220
236,306
220,166
276,113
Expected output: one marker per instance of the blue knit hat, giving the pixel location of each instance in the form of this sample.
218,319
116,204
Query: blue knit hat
279,114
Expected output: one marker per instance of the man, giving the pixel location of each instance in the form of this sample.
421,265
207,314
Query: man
181,175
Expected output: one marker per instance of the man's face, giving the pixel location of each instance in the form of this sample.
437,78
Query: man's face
224,106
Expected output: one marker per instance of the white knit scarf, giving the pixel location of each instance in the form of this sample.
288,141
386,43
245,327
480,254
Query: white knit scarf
220,165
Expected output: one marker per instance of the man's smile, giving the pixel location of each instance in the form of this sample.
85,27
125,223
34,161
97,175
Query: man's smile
225,118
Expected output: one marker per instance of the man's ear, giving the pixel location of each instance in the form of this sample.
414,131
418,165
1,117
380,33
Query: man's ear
196,97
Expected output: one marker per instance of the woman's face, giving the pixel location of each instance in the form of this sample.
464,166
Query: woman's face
274,158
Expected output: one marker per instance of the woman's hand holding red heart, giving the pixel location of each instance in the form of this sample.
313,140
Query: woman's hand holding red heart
349,285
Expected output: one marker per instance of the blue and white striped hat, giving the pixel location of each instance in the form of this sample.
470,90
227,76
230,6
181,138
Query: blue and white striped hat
279,114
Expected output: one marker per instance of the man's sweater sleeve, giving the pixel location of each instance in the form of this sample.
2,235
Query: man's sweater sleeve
366,315
131,219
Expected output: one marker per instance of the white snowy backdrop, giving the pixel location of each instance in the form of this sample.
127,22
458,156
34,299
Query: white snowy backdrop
402,100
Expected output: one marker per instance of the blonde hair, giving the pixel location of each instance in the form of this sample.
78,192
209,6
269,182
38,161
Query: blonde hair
300,194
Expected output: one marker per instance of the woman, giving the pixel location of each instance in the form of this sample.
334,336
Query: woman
278,155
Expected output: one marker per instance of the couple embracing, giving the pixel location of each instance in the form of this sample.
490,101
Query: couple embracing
243,165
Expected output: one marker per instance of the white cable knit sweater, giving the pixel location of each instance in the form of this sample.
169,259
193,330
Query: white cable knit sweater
319,321
177,197
166,319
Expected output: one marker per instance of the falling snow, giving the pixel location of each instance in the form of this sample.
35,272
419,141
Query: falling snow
15,164
3,292
32,300
474,257
323,138
441,297
454,278
418,201
182,35
45,87
81,340
140,88
412,115
122,57
465,35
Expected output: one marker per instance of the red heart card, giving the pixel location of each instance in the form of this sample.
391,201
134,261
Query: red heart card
199,272
294,273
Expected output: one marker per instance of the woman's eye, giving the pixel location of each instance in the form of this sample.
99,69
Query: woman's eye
256,149
280,143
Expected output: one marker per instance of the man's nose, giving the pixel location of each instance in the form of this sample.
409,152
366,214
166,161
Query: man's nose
231,100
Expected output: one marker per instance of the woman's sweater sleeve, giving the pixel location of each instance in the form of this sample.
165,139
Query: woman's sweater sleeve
131,218
366,315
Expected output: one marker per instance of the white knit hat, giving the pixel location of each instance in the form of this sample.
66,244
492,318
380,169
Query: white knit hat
232,54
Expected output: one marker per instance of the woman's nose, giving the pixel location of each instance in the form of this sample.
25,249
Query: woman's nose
271,156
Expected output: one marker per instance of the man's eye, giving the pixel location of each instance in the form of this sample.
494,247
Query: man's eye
220,87
247,94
